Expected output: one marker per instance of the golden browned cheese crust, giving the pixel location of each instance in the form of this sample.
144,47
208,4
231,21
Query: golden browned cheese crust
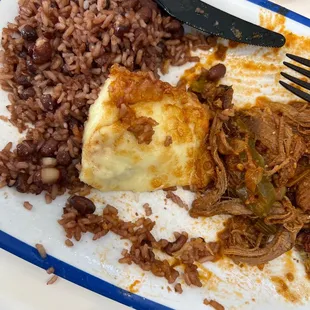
114,160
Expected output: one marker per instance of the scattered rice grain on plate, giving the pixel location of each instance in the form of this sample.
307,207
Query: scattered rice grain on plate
50,270
177,200
144,245
27,205
2,184
191,275
178,288
69,243
52,280
41,250
48,198
147,209
214,304
4,118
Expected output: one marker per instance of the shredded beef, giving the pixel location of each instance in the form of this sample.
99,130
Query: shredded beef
303,194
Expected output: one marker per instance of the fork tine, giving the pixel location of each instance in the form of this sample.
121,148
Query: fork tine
301,60
297,69
296,81
301,94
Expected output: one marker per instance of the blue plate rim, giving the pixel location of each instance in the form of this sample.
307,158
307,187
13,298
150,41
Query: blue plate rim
282,10
86,280
75,275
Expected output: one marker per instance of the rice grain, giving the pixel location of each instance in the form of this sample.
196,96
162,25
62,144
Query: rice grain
147,209
178,288
177,200
41,250
69,243
52,280
27,205
214,304
50,270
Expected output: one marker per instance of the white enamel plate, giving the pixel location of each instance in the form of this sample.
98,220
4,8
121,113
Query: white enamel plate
94,264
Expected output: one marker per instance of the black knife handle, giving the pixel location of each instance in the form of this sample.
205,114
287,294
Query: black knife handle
207,18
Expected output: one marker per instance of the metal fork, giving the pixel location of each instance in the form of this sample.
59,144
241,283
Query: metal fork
301,94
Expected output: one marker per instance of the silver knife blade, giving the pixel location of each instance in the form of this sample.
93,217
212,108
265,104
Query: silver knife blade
209,19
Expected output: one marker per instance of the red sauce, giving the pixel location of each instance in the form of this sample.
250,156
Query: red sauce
132,288
283,289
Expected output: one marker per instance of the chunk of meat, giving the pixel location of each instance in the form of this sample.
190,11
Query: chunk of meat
263,126
234,170
226,96
283,148
303,194
295,115
281,213
271,131
231,207
213,195
297,150
223,145
306,241
282,242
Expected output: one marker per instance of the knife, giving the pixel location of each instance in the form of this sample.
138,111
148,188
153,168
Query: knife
209,19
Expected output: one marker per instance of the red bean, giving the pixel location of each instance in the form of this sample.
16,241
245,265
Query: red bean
49,148
27,93
21,183
23,80
130,4
82,204
121,30
145,13
63,158
25,148
28,33
150,4
48,103
175,28
42,51
217,72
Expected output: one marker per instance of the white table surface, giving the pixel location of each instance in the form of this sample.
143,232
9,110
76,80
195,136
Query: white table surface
23,285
